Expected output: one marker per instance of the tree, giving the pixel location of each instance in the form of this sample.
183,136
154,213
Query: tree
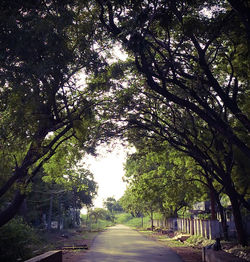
42,106
59,199
161,179
190,136
99,213
133,203
182,53
112,205
188,55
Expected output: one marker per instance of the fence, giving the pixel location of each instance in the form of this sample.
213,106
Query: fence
207,228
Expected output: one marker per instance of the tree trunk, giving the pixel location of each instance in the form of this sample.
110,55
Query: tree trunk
212,201
12,209
59,214
152,220
75,224
242,238
23,210
223,217
50,211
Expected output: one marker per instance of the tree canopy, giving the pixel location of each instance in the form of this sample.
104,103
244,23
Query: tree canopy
191,61
184,88
42,105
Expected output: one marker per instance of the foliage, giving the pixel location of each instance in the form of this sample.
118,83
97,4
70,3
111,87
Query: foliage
161,179
65,198
45,113
98,219
16,240
100,225
129,220
199,241
122,218
100,213
112,205
133,203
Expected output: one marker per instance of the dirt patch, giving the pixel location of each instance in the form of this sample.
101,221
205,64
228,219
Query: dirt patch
73,256
84,239
77,254
69,238
236,250
192,251
188,254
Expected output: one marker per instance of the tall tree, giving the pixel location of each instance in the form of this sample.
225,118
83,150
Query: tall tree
188,53
43,47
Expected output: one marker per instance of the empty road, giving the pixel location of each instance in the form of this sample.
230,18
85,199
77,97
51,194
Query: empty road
121,244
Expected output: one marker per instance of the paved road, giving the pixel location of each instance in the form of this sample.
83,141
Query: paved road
121,244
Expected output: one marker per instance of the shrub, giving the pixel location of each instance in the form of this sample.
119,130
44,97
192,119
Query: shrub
199,241
16,238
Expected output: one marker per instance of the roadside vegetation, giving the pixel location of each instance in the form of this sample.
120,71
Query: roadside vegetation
17,240
20,241
134,222
98,223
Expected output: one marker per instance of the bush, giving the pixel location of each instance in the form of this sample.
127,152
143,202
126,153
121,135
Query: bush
199,241
16,238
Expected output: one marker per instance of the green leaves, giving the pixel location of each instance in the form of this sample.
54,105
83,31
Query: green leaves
159,179
44,114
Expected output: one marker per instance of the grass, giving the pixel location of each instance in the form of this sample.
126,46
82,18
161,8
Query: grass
134,222
170,242
193,241
100,225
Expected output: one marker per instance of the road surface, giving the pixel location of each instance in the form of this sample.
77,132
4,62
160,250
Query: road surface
122,244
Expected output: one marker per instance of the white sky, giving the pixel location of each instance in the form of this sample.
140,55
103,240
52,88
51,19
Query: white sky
108,172
108,166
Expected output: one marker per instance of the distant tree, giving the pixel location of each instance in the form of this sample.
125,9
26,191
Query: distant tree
133,203
59,200
112,205
99,213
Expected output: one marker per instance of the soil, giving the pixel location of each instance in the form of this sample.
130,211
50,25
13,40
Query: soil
70,238
75,255
188,254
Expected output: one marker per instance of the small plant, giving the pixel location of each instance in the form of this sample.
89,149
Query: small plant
199,241
16,239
